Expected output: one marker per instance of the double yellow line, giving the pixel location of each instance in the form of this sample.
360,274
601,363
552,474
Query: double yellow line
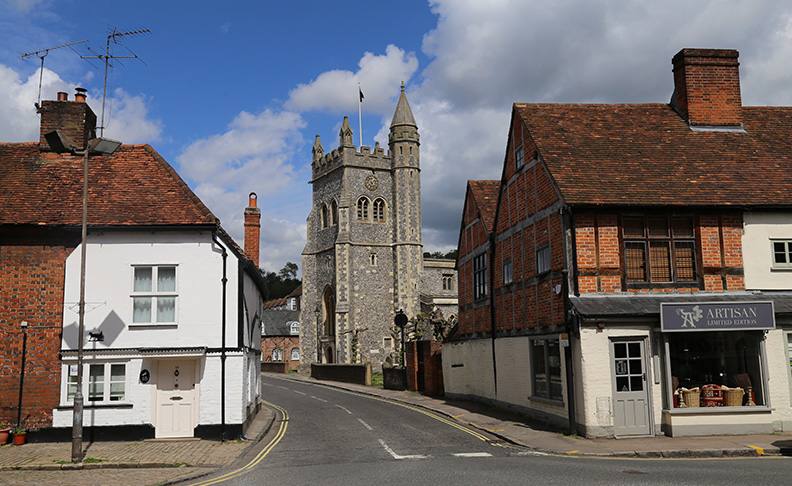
260,456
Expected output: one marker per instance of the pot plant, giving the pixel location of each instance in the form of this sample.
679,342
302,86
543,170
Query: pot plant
5,432
20,434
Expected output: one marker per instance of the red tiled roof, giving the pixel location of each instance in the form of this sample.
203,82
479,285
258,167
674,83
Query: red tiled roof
134,186
485,193
645,154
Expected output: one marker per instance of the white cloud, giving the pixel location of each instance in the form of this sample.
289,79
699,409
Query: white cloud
337,92
127,118
19,121
255,154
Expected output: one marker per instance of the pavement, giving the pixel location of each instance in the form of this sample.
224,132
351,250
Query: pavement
178,460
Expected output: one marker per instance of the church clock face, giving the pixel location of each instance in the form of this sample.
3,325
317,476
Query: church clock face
371,183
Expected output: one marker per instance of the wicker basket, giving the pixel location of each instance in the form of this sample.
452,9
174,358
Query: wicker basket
692,398
733,397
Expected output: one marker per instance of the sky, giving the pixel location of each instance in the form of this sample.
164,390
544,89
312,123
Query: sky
233,94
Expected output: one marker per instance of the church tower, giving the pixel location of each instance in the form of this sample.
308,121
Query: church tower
363,258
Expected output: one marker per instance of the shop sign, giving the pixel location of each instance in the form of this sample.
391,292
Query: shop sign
717,316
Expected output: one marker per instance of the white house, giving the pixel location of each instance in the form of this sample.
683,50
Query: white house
173,306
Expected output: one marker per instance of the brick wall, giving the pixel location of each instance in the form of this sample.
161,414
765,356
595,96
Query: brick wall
32,273
285,344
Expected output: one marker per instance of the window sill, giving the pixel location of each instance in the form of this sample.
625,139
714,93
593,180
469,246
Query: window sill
717,410
90,405
152,326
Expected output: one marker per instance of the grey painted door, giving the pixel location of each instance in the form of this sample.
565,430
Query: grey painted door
630,393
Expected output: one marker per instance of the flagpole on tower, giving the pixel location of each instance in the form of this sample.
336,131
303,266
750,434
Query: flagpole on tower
360,116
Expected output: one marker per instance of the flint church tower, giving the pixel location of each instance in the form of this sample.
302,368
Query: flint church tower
363,260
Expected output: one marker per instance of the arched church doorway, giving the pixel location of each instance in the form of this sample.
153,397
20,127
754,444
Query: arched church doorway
327,339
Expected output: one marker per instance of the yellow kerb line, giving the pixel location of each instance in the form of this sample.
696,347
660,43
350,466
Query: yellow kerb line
758,449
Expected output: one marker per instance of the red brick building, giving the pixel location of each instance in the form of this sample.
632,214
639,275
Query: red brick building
280,330
619,271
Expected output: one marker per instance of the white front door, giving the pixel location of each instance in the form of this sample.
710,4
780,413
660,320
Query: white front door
631,388
176,399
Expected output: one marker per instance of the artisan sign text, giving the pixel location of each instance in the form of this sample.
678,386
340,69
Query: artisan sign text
717,316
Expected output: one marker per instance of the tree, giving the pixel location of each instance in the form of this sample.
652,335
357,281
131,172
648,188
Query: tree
282,283
289,271
451,255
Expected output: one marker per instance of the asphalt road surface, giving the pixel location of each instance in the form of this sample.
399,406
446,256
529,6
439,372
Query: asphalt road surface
326,436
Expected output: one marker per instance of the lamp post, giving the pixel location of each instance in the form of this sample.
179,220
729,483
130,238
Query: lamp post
22,373
107,147
317,313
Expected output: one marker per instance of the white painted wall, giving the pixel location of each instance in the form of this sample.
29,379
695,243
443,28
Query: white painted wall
475,376
109,285
758,229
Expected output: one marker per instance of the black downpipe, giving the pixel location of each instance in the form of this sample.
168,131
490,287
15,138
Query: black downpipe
491,257
22,374
568,225
223,349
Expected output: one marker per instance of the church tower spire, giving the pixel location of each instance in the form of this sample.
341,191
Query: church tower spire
346,134
318,151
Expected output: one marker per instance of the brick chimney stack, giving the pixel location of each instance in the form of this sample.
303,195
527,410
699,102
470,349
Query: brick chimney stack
707,87
252,229
74,118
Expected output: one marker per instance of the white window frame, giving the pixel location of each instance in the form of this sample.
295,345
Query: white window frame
277,354
788,251
71,367
154,295
543,260
295,354
508,276
294,328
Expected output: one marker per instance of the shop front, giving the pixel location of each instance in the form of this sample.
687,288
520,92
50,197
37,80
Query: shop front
716,374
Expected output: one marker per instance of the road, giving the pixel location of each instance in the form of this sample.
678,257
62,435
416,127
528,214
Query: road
329,436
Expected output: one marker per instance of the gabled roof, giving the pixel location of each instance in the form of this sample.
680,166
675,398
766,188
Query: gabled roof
485,195
645,154
133,187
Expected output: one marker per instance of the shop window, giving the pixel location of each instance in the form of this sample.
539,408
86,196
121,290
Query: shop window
782,254
154,295
659,249
546,362
480,277
102,382
727,358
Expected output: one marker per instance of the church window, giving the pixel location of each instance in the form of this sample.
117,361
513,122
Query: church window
373,259
448,282
333,213
379,211
363,209
324,216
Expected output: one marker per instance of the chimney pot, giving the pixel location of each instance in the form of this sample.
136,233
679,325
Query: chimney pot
81,94
63,96
252,199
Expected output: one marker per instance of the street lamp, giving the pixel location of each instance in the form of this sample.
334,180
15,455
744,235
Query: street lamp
103,146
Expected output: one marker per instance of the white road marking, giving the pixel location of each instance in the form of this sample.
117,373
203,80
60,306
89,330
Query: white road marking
365,425
282,387
317,398
398,457
344,409
301,393
473,454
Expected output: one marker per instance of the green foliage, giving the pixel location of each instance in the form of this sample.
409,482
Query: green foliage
376,379
451,255
282,283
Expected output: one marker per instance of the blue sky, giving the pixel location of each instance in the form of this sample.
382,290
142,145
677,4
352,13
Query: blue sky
232,94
